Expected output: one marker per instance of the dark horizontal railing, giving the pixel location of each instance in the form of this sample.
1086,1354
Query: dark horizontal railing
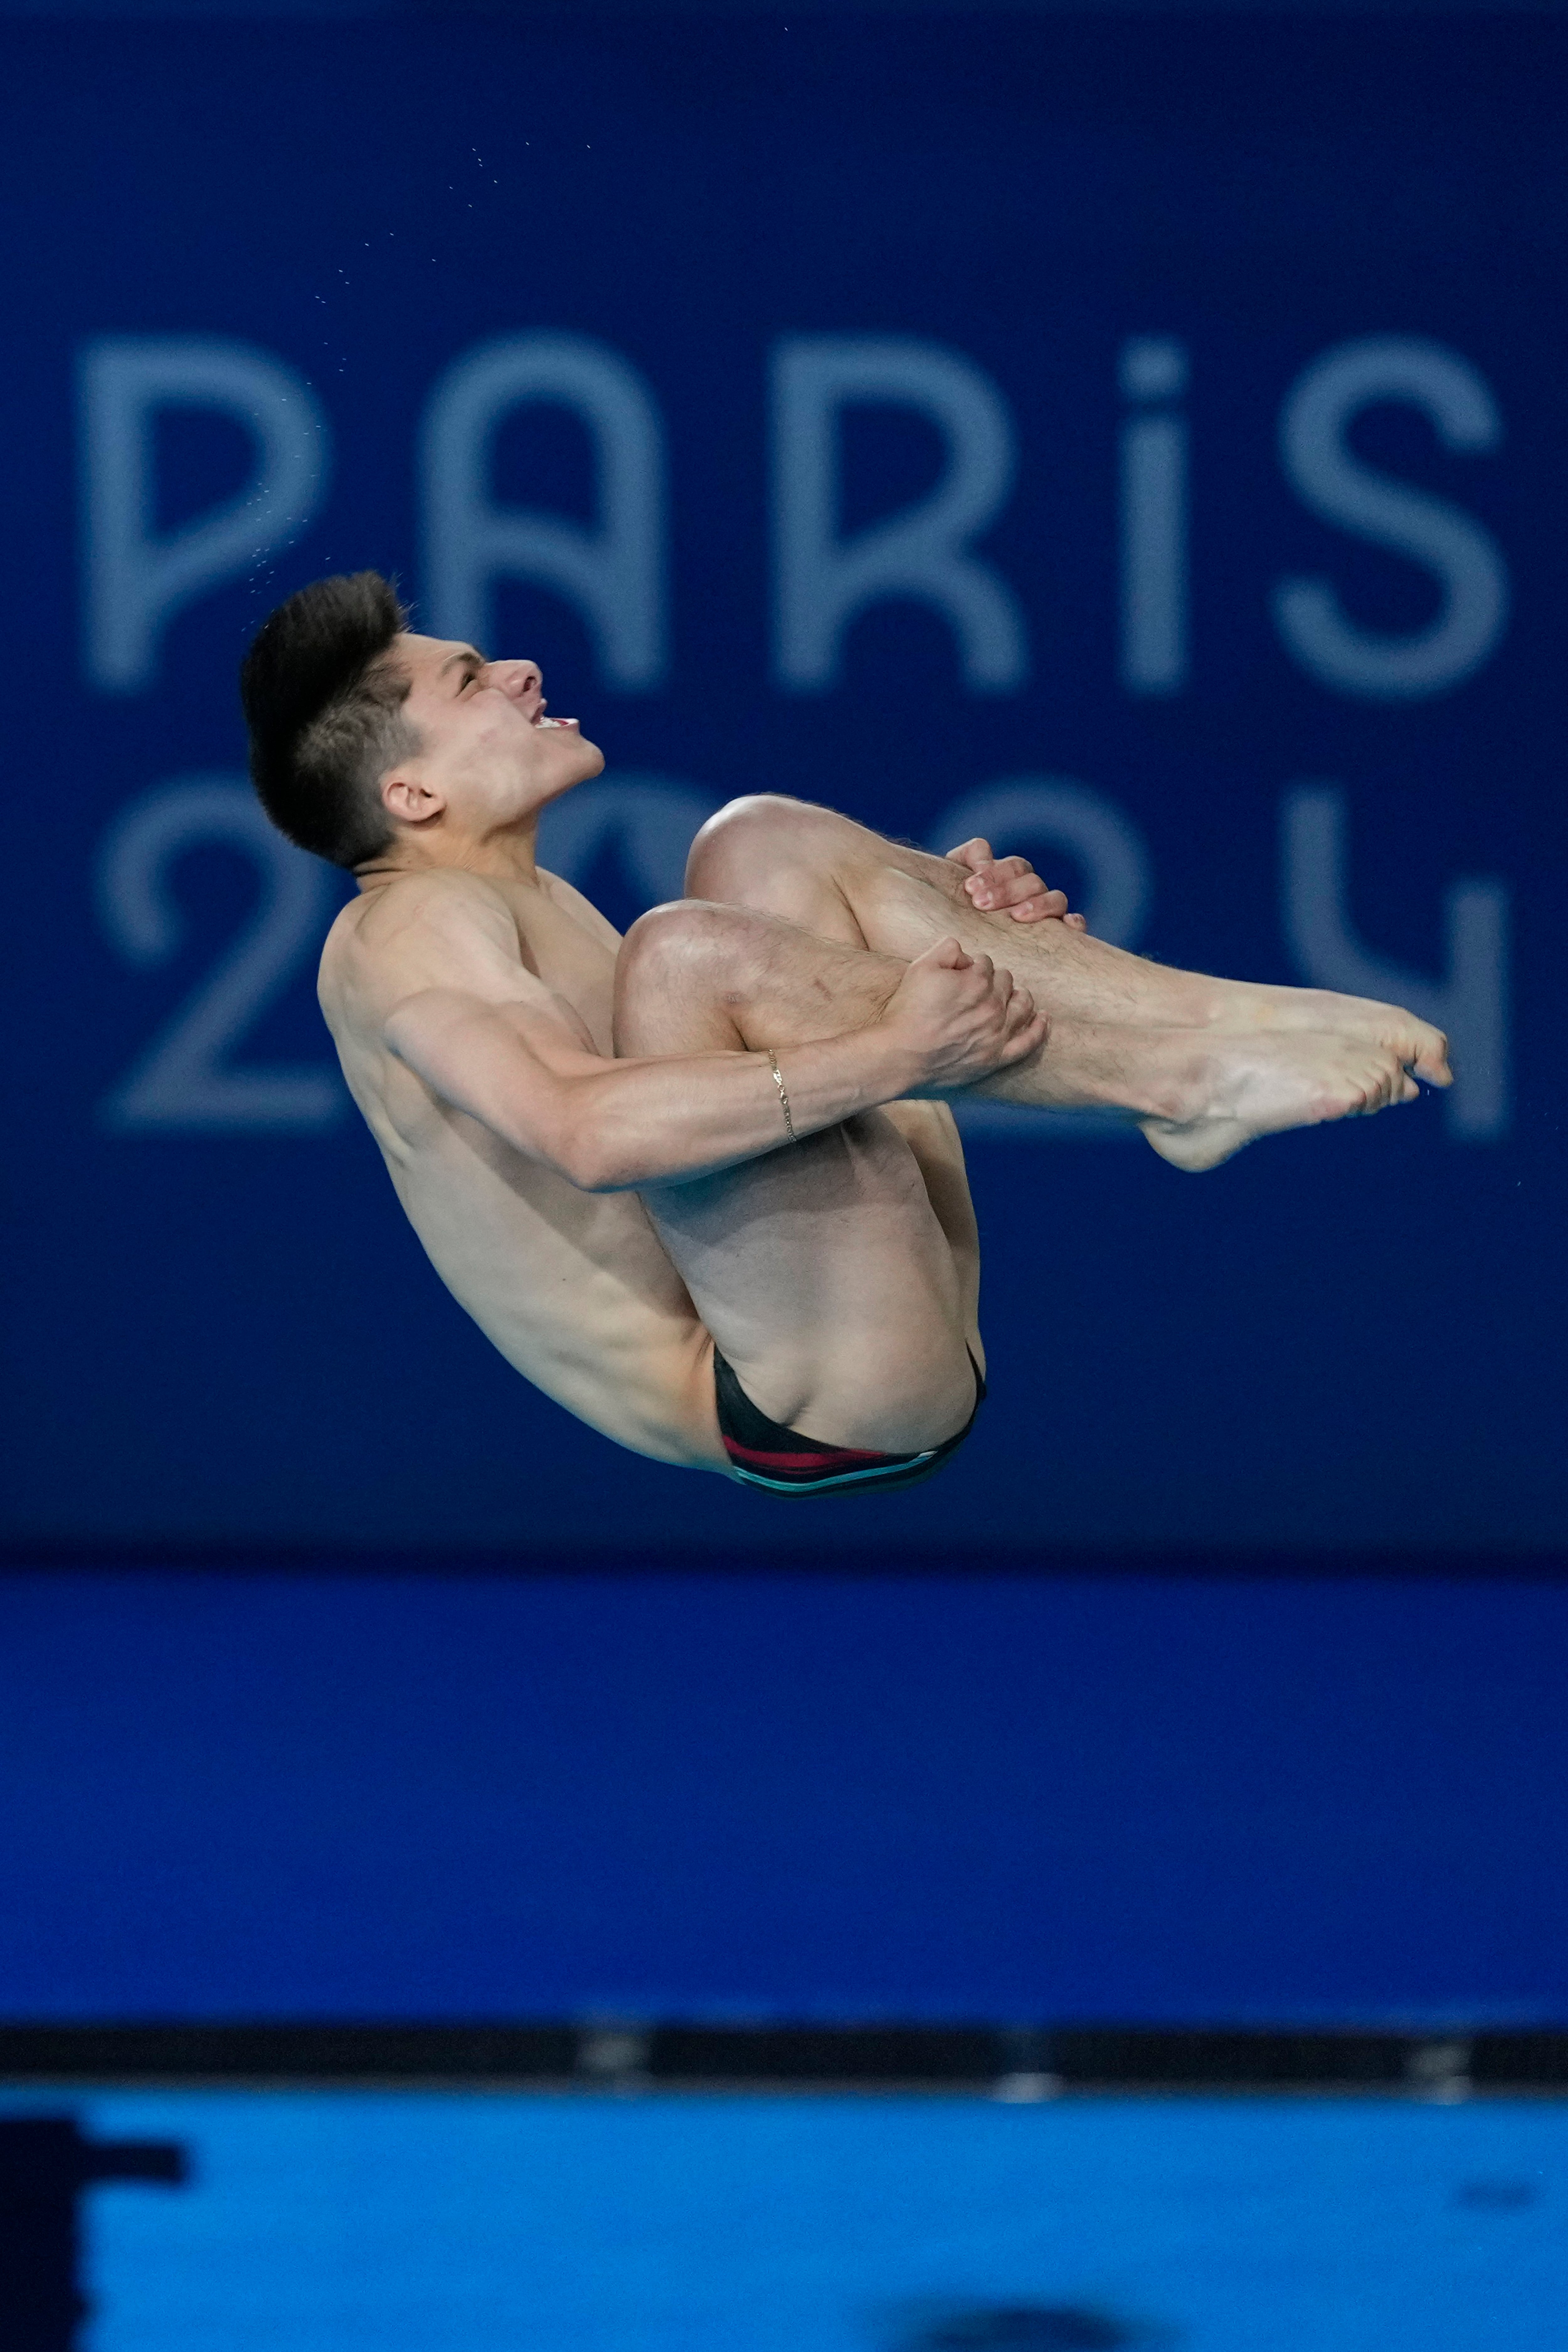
1022,2063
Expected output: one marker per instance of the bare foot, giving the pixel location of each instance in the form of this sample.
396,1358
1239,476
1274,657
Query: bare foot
1264,1083
1083,980
1246,1006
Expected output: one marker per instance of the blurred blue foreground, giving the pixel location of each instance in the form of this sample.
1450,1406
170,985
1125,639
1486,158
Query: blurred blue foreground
412,2222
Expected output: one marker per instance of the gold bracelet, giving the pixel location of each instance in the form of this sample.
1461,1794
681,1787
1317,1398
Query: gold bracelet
784,1096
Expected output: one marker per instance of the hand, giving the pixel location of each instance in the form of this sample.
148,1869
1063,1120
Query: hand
960,1018
1010,886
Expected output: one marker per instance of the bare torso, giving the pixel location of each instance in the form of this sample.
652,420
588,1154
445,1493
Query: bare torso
573,1288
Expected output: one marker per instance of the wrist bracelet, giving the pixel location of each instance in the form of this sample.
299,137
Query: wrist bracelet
784,1093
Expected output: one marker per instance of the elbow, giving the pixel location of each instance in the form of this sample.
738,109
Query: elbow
591,1164
590,1146
593,1176
609,1173
561,1133
588,1173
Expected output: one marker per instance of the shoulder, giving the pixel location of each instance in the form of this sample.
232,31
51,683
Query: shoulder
440,905
422,930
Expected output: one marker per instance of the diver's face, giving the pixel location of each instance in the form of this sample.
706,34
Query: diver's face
486,744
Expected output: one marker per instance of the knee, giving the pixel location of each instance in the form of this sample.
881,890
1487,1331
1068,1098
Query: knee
749,839
683,936
690,943
677,973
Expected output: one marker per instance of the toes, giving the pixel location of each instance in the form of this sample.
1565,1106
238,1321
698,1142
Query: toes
1381,1086
1430,1057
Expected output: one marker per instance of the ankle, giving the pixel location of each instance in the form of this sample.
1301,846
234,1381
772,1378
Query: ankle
1183,1088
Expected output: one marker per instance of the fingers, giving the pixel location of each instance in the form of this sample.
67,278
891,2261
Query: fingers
1023,896
1026,1039
1006,884
1044,907
948,956
998,882
1024,1026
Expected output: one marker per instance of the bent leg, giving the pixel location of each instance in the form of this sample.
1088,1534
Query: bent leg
827,873
822,1270
1205,1065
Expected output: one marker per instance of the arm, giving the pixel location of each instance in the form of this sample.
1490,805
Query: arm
510,1055
611,1125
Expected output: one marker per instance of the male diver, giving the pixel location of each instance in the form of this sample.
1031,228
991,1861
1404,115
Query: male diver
701,1184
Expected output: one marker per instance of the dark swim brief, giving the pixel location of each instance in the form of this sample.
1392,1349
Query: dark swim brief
786,1463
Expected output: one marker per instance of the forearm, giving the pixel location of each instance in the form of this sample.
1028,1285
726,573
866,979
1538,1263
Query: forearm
639,1123
611,1125
683,1102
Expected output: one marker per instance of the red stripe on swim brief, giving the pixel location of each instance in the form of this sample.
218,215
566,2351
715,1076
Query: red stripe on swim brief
813,1458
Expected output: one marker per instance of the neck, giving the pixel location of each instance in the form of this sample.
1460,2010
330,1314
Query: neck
506,857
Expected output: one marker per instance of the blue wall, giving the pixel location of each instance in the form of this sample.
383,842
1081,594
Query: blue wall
1142,1799
1123,253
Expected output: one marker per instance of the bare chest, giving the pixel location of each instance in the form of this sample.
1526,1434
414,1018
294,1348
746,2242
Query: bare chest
572,951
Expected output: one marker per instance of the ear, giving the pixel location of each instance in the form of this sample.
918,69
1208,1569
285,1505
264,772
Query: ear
407,800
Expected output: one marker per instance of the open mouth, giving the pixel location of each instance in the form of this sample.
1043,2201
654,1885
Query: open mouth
543,721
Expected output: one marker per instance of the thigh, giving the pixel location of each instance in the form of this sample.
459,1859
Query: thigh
811,867
826,1277
932,1133
822,1269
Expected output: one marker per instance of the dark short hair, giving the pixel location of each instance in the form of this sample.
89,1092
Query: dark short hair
324,707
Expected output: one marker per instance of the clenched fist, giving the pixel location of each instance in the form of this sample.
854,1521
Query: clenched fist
962,1019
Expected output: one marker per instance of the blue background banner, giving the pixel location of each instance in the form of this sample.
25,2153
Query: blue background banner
1147,448
1255,1802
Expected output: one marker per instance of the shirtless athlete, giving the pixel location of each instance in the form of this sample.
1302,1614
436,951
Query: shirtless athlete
728,1128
